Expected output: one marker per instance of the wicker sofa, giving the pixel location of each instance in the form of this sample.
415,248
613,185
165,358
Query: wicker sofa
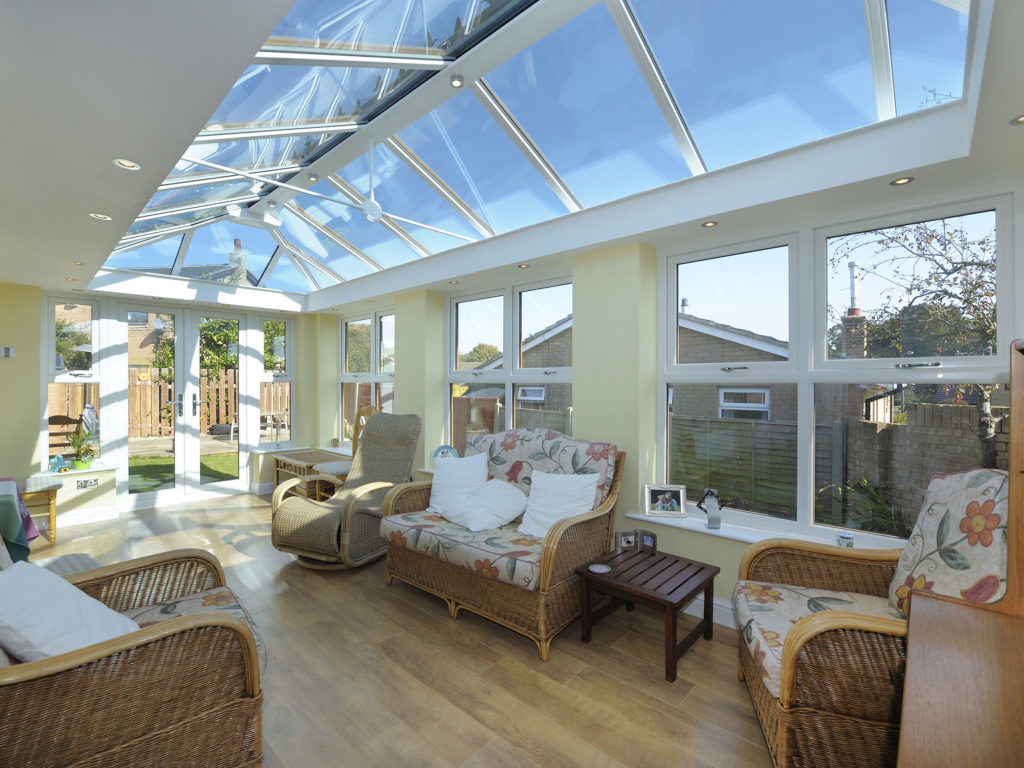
184,690
523,583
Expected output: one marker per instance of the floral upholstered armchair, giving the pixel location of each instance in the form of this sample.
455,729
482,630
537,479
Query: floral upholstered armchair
824,628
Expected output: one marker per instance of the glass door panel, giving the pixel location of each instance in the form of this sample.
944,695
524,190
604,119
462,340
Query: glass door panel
214,403
153,444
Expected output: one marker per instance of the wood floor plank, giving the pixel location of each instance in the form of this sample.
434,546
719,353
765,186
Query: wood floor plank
364,674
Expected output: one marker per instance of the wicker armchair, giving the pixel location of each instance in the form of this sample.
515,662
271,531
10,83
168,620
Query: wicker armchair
842,672
185,691
539,614
343,531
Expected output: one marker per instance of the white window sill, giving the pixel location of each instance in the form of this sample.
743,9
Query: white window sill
697,521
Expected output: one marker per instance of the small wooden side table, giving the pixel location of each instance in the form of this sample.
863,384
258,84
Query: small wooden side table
300,464
653,578
43,488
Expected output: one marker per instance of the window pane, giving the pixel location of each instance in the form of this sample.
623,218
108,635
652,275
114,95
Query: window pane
354,395
479,334
73,408
877,446
357,347
218,389
734,308
926,289
545,327
387,344
929,46
151,395
751,461
476,409
275,411
274,349
386,397
73,334
544,406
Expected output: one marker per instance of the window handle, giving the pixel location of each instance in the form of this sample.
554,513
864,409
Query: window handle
548,373
728,368
918,365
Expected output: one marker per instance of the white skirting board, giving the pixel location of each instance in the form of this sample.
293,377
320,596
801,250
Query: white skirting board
723,612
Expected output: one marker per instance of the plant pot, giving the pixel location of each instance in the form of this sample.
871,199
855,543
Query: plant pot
81,463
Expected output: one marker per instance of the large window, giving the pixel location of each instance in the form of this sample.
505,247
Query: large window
276,383
368,367
898,372
73,391
534,321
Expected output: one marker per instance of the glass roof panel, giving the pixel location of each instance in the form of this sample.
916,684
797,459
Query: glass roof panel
929,46
401,26
172,198
153,256
155,225
371,238
472,154
253,155
751,79
285,277
580,97
320,247
280,95
400,191
226,252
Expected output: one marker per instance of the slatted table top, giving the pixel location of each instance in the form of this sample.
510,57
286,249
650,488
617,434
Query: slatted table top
655,576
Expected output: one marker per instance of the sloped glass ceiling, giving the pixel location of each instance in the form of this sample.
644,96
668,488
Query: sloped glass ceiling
627,96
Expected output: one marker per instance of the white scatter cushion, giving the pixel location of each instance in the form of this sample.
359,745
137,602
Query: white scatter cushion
555,497
492,505
454,480
5,556
43,615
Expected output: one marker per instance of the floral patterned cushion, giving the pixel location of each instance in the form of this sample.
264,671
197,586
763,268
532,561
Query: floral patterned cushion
767,611
958,545
515,455
213,600
503,554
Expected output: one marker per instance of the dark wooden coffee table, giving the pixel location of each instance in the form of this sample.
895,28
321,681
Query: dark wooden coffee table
652,578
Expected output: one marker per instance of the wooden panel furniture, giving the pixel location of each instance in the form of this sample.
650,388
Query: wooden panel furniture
49,496
293,464
655,578
962,702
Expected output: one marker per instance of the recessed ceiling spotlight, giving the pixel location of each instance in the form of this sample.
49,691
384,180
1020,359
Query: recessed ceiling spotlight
456,81
272,204
101,217
523,266
1019,120
78,263
77,290
69,279
125,164
709,224
453,282
313,177
901,181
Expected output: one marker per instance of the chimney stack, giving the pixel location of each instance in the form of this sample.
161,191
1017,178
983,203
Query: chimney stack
684,306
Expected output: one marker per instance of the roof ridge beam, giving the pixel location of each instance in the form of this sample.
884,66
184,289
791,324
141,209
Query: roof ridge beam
877,17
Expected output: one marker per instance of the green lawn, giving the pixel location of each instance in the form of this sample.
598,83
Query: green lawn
155,473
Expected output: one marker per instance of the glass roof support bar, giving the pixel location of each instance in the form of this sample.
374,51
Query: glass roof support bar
220,177
877,18
333,236
275,256
222,136
303,261
158,234
386,221
434,182
629,29
500,114
160,213
283,54
179,257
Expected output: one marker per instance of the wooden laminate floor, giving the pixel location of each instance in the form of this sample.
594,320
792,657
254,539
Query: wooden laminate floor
360,674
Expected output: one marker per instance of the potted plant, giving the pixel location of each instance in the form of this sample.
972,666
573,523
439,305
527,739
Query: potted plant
84,447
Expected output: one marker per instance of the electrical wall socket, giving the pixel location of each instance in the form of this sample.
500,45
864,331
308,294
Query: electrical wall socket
6,351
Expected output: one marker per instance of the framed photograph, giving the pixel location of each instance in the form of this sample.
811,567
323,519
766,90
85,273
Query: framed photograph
626,539
665,500
647,540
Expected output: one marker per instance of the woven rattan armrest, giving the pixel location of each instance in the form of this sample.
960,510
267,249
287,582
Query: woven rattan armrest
151,579
407,497
824,566
812,627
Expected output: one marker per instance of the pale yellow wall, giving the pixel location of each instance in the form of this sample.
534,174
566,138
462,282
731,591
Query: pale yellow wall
20,319
420,368
615,393
315,385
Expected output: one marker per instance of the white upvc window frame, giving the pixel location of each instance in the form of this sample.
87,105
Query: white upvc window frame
90,375
511,374
257,329
724,405
808,364
376,375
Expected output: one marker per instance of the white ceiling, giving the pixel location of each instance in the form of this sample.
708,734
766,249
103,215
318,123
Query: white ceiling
85,84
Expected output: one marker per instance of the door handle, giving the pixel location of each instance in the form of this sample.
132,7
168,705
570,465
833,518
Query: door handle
180,401
195,404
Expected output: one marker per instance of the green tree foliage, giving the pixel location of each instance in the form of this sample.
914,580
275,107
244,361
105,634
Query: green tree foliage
481,353
357,347
67,339
272,329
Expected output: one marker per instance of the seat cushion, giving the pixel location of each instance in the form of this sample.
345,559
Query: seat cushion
503,554
333,467
515,455
958,546
212,600
766,612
